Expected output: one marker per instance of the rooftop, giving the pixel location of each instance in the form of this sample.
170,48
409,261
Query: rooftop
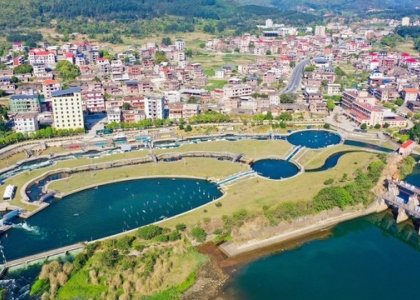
66,92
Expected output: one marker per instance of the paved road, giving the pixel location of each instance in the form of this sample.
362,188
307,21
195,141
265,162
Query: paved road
295,78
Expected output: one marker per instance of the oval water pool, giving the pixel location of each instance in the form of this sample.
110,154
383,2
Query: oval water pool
275,168
314,139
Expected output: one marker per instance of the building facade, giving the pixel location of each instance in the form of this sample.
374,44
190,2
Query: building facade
26,122
67,109
22,103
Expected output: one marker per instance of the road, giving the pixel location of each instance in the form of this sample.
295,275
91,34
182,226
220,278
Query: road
295,78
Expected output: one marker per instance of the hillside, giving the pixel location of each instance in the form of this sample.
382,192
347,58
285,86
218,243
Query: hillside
138,16
337,5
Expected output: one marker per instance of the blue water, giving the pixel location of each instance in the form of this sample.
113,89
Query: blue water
367,145
367,258
108,210
331,162
314,139
275,168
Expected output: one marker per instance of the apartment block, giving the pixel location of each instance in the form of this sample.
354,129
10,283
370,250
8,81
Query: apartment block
26,122
67,109
22,103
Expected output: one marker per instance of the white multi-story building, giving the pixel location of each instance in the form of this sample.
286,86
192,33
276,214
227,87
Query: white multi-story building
173,96
67,109
39,56
114,115
319,30
26,122
179,45
153,108
405,21
190,110
236,90
49,86
94,101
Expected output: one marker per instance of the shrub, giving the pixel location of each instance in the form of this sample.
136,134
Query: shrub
329,181
125,242
199,234
206,220
175,235
180,226
149,232
327,126
218,204
161,238
218,231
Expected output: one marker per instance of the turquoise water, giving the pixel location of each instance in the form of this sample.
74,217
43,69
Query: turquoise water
107,210
275,168
314,138
367,258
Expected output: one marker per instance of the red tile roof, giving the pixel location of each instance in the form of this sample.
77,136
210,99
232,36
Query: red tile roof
407,144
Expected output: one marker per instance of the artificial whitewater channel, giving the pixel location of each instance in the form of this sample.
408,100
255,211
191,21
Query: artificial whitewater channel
114,208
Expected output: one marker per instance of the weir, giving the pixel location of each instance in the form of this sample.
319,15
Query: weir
43,255
405,208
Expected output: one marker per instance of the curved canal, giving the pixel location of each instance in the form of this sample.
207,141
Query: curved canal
107,210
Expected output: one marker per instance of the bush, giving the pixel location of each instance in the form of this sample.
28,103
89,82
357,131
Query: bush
149,232
206,220
218,204
180,226
364,126
109,257
175,235
377,126
125,242
329,181
218,231
327,126
161,238
199,234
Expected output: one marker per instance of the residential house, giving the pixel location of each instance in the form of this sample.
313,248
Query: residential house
22,103
67,108
26,122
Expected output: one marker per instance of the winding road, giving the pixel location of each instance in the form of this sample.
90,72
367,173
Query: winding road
295,78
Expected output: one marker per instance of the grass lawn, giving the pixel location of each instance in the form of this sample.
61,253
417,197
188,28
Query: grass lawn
215,84
252,194
408,47
11,160
250,148
314,158
201,167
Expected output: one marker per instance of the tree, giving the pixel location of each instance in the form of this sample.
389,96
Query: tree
309,68
160,56
268,52
199,234
14,79
330,104
188,52
399,101
377,126
126,60
109,257
23,69
268,116
288,98
202,45
208,28
326,126
292,64
67,70
284,116
188,128
167,41
149,232
364,126
180,226
192,100
126,106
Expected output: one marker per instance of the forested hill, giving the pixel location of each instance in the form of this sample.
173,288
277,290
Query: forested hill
77,13
345,5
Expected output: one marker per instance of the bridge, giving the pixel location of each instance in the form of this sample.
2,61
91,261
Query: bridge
405,209
43,255
237,176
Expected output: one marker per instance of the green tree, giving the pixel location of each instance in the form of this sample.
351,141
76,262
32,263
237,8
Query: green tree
167,41
202,45
126,60
149,232
330,104
199,234
23,69
67,70
188,128
326,126
109,257
268,52
188,52
399,101
192,100
126,106
288,98
160,57
364,126
292,64
377,126
14,79
180,226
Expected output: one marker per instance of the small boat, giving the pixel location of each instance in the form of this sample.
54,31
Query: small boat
143,211
75,215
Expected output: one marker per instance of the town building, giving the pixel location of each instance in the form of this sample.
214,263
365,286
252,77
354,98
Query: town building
405,21
22,103
114,115
67,109
153,108
319,30
333,89
49,86
26,122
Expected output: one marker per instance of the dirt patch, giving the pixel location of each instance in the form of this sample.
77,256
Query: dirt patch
210,278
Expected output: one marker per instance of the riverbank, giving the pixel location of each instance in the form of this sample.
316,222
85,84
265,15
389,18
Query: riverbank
298,228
